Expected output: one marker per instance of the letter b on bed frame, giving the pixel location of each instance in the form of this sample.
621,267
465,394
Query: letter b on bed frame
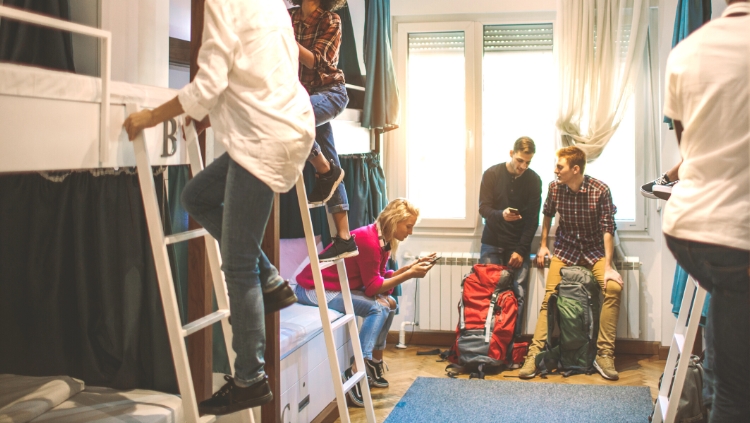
169,135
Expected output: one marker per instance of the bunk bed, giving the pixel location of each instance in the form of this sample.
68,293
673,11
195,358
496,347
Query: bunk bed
71,122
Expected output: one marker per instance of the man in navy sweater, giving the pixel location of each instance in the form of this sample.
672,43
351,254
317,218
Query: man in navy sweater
509,201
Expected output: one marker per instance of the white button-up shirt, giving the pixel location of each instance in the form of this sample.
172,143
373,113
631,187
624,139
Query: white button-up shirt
708,90
248,84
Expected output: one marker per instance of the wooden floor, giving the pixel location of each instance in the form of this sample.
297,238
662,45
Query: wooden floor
406,366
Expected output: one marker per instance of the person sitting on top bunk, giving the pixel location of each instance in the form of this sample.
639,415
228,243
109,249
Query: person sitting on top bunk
585,237
371,285
318,33
247,86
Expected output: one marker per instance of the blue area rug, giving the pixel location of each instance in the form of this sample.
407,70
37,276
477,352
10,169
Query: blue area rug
475,401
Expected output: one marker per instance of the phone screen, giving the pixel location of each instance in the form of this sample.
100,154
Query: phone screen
512,210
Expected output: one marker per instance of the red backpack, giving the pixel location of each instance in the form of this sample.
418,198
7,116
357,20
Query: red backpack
487,318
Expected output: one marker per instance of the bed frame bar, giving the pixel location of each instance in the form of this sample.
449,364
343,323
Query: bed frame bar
105,60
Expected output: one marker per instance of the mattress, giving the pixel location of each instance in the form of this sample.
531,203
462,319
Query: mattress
105,405
33,82
299,324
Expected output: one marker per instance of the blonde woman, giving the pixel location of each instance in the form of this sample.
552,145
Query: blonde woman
371,284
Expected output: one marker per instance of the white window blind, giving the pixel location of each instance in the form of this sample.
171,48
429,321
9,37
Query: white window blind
436,42
499,38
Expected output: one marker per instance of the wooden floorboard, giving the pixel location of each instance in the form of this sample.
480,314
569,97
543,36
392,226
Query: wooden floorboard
405,366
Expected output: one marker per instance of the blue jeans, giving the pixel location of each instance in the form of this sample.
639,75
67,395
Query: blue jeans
723,272
377,318
327,103
234,206
489,254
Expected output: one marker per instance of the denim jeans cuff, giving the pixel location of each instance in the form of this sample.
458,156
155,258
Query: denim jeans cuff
338,208
242,383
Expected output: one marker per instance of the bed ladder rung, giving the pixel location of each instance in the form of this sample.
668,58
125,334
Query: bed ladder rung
204,322
342,321
185,236
208,418
349,384
315,205
327,264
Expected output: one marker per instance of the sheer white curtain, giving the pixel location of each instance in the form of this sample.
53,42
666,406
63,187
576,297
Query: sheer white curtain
601,53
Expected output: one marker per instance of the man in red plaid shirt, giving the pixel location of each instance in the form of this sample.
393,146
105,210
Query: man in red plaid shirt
585,237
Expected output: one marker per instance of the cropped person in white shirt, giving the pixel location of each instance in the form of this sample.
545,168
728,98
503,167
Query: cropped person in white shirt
247,85
707,218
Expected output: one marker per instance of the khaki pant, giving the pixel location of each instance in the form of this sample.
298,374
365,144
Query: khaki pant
610,309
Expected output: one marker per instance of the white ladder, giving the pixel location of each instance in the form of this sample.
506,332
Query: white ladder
159,242
685,330
349,319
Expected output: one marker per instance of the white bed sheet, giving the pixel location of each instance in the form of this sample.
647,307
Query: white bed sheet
299,324
105,405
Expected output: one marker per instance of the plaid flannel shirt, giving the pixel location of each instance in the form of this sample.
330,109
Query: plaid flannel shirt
584,218
321,34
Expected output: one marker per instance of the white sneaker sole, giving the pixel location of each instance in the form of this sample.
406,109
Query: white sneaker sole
601,372
648,194
341,256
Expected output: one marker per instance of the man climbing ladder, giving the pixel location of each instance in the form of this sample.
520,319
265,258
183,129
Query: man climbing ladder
247,86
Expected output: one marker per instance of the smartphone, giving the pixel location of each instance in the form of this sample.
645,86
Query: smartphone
434,260
512,210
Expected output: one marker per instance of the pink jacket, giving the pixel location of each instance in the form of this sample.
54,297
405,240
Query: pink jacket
365,271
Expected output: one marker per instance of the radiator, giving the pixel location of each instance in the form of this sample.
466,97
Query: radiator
440,291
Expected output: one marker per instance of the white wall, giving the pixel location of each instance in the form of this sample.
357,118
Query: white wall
657,271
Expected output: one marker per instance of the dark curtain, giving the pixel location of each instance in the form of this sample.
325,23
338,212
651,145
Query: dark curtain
78,291
381,107
690,15
34,45
349,61
365,187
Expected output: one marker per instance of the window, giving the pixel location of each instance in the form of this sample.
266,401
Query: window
436,106
454,128
436,76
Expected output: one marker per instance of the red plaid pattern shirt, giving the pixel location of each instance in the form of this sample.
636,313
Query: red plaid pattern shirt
584,218
321,34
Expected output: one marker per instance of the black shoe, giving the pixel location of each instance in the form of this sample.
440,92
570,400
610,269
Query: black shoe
232,398
355,394
664,191
325,186
647,190
339,248
281,297
375,372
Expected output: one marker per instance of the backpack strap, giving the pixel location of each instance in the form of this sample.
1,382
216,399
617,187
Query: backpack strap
551,318
453,370
488,321
461,319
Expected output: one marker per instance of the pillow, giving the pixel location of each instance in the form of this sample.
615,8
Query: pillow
23,398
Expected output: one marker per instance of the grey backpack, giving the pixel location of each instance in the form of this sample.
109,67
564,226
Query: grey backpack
691,408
